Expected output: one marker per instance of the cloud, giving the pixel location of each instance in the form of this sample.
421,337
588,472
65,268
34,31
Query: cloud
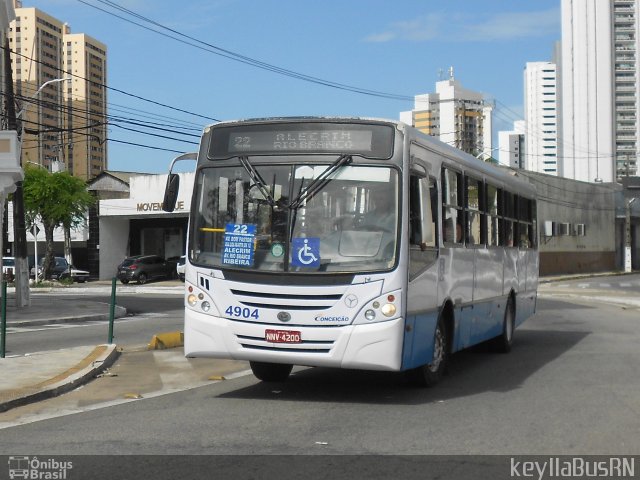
417,30
465,28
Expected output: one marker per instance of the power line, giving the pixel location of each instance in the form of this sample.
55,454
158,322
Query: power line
123,92
231,55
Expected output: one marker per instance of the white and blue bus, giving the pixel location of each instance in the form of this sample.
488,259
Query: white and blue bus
351,243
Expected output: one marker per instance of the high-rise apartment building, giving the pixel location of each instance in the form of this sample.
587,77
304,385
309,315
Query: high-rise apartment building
64,121
626,86
599,130
512,149
540,112
85,60
457,116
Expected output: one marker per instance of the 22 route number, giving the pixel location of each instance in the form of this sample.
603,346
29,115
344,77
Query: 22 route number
240,312
241,229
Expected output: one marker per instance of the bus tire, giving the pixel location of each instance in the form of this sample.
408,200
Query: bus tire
503,342
271,372
430,374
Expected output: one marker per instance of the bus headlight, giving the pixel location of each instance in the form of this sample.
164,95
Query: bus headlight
192,300
206,306
381,309
388,310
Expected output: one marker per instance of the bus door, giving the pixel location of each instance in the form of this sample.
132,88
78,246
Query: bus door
422,313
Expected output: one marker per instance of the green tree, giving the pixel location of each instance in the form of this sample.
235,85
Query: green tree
57,200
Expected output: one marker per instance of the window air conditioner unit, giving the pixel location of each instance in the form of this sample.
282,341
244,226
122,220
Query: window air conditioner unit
564,229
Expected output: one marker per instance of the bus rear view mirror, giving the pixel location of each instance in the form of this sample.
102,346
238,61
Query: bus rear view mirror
171,192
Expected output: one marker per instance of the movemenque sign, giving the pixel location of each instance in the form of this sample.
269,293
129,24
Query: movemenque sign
155,206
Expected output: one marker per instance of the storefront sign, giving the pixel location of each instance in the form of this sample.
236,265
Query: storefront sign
155,206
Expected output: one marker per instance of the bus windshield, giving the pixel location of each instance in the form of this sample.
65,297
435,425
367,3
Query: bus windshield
267,218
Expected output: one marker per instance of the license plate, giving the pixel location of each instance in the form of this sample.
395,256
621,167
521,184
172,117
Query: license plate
282,336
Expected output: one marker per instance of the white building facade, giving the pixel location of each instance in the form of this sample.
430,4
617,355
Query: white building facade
599,80
511,146
541,118
137,225
456,115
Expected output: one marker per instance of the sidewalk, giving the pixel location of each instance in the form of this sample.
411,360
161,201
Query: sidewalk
31,378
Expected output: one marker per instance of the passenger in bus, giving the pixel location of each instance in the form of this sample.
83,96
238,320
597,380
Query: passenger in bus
449,232
381,215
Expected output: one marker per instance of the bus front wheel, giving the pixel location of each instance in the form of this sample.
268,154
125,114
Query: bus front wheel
430,374
271,372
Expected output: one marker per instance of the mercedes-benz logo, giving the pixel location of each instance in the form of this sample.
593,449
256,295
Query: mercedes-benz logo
284,316
351,300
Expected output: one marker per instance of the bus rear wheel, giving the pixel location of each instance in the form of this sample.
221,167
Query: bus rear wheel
430,374
271,372
503,342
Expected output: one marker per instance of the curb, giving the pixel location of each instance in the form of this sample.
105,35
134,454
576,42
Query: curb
581,276
162,341
102,357
620,302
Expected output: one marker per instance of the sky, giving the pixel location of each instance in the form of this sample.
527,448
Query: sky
365,58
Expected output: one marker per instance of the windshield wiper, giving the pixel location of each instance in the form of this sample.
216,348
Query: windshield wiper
257,179
319,183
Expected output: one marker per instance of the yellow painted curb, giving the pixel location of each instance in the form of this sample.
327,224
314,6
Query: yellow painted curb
162,341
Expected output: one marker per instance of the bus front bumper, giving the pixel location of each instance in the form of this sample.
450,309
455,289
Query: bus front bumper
374,346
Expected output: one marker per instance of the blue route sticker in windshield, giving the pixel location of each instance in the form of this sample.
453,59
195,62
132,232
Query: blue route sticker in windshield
305,252
239,244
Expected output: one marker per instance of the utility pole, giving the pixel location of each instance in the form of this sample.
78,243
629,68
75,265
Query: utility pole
627,235
19,230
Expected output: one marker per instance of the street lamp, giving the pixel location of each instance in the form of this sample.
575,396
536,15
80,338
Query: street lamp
45,84
20,234
486,152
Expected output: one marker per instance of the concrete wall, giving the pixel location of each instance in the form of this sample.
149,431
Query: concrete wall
572,202
114,240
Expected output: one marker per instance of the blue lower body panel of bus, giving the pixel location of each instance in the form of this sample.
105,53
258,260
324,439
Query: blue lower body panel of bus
418,339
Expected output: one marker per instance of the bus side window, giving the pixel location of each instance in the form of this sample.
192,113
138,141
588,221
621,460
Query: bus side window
422,224
452,213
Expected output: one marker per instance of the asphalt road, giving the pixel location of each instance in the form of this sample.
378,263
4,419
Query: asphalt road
148,315
570,386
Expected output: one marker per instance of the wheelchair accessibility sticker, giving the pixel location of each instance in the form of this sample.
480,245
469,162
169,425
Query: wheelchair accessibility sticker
306,252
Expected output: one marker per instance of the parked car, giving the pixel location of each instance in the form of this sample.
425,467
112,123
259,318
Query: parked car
142,268
61,270
180,267
173,263
60,267
78,276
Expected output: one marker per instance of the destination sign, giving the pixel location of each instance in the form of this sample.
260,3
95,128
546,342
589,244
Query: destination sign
301,140
367,140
